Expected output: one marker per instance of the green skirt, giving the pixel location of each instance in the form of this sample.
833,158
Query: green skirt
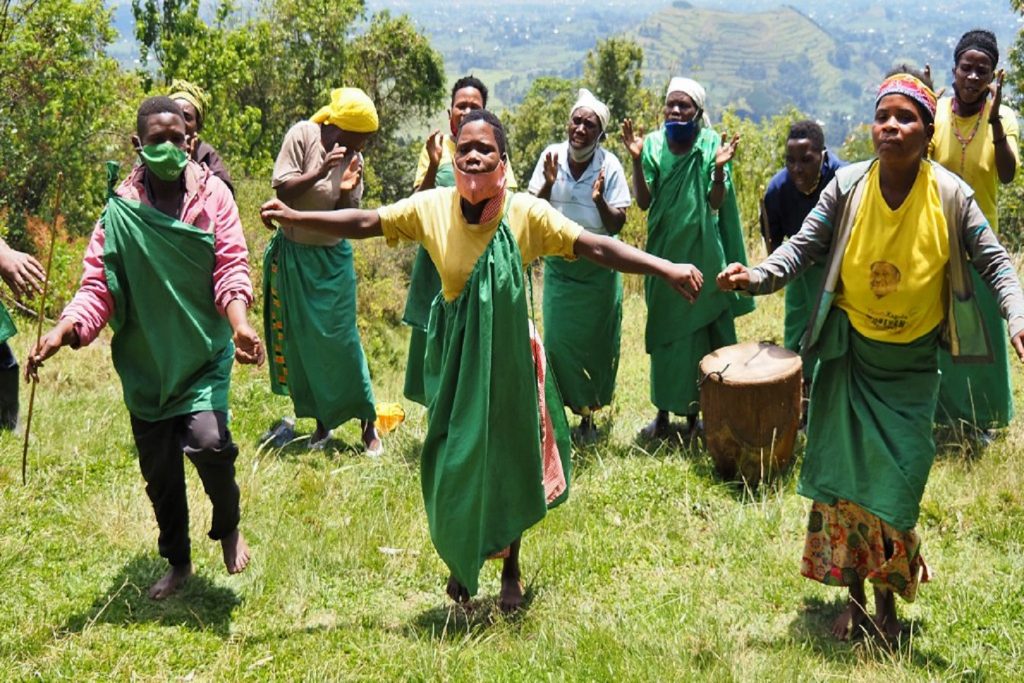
481,465
582,327
675,366
801,298
978,394
869,431
310,319
424,285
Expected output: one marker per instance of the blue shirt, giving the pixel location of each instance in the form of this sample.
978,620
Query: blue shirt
573,197
786,207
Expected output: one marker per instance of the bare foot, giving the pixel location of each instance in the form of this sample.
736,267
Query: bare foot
850,621
456,591
170,582
659,428
887,624
511,597
236,552
371,441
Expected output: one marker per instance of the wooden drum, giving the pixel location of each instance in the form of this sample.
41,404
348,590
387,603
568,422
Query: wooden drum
750,396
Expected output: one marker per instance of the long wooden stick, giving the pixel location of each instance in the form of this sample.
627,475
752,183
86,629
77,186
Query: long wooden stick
39,325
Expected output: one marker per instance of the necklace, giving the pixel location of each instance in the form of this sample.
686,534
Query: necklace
960,138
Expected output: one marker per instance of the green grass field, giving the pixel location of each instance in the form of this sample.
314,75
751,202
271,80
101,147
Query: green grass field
654,570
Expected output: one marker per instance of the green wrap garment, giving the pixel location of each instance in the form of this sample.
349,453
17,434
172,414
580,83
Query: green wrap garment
481,463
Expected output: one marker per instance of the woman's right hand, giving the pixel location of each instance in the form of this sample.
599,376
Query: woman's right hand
735,276
435,143
275,210
634,140
332,159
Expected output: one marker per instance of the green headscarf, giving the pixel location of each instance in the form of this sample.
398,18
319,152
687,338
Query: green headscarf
193,94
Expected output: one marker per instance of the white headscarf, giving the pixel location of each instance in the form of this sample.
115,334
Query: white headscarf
585,99
693,90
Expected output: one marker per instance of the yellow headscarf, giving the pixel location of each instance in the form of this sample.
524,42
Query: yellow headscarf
350,109
191,93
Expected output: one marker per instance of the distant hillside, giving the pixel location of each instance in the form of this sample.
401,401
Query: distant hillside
759,62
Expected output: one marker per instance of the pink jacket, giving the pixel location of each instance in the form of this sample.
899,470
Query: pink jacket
208,205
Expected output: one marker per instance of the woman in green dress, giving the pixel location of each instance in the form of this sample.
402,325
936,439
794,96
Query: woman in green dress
897,236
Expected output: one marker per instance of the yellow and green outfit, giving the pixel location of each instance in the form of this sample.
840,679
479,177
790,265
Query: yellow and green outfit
979,394
424,283
896,287
482,471
683,228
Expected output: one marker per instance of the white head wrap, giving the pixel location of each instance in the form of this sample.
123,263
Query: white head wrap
586,99
693,90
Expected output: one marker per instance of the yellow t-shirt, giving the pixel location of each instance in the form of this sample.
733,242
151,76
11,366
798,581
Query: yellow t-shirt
894,269
434,219
447,158
978,165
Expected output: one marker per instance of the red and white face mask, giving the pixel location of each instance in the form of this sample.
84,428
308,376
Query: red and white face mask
479,187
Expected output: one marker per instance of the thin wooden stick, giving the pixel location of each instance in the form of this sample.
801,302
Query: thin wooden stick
39,325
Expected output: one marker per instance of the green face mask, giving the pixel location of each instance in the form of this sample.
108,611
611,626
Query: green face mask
165,160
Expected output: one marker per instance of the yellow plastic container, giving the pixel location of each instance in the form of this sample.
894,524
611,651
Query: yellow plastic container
389,416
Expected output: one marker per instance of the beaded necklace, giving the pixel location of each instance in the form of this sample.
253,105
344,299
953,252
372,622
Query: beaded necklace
960,138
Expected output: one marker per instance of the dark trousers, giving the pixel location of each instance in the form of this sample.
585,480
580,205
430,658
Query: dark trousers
205,439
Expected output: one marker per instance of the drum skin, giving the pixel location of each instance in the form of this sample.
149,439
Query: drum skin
750,396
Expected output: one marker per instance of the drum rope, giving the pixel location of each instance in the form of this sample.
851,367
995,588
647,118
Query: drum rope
718,374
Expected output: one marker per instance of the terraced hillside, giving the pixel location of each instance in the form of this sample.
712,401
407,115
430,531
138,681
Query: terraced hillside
758,62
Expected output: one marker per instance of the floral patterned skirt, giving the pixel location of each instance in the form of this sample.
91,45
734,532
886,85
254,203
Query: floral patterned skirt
846,544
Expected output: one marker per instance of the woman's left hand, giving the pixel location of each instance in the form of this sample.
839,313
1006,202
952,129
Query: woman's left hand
726,150
1018,344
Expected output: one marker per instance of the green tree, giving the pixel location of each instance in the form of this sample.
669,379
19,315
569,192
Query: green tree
1011,197
277,67
312,52
614,71
858,145
65,105
404,76
168,32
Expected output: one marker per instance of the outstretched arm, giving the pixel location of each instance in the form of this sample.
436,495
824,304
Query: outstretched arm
345,223
682,277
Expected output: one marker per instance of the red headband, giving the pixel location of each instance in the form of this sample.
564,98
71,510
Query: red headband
909,86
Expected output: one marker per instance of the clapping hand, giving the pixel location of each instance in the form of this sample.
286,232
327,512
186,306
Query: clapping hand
633,140
550,168
435,142
726,150
352,175
598,189
332,159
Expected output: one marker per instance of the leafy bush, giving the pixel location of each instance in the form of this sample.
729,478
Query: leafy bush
64,106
